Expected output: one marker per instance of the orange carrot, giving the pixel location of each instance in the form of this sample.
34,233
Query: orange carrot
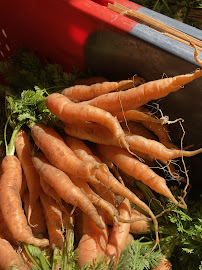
64,187
11,205
37,216
95,198
119,234
24,185
70,112
85,92
101,135
61,156
53,215
9,257
139,226
23,149
93,242
140,171
50,191
110,182
164,264
136,97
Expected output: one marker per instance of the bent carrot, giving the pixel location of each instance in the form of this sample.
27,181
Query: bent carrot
64,187
93,241
164,264
85,92
53,216
136,97
119,234
70,112
23,149
11,205
140,171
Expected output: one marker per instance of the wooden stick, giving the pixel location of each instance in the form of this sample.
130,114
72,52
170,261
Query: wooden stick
155,24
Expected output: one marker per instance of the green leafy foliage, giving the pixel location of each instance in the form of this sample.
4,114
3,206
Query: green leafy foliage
133,257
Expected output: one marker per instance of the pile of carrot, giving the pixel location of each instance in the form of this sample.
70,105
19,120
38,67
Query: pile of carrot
84,173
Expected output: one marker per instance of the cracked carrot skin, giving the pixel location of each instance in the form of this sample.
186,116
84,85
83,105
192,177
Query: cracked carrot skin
11,205
71,112
64,187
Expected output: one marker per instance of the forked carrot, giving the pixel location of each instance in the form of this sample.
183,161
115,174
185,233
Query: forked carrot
23,148
11,205
71,112
119,234
136,97
64,187
93,241
140,171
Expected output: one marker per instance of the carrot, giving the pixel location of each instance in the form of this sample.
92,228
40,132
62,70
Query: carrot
139,226
64,187
85,92
85,154
119,234
50,191
110,182
24,185
23,149
137,144
96,199
93,241
140,171
61,156
135,115
37,216
53,216
70,112
164,264
9,257
136,97
11,205
97,134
